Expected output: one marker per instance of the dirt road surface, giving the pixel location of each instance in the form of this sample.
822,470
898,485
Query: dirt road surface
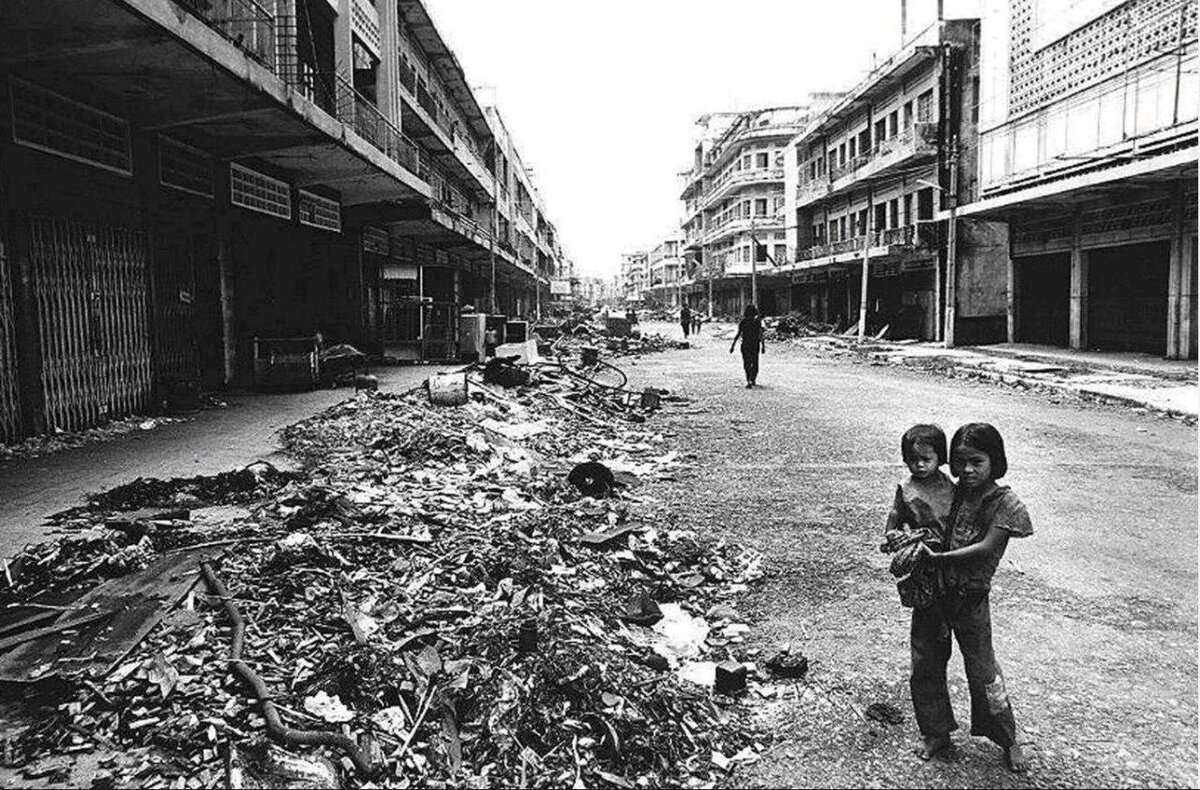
1094,616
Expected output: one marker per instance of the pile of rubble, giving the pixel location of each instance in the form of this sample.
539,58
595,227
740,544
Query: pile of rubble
584,336
432,601
795,324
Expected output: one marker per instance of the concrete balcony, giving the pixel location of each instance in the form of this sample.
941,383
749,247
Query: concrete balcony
913,145
731,227
739,178
811,191
912,241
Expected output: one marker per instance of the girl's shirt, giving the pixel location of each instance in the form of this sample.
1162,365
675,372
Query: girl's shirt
972,516
923,504
751,329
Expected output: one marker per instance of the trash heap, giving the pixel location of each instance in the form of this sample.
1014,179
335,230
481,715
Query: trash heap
644,343
430,602
796,324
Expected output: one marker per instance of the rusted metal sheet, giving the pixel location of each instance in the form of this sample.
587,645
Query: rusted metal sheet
92,295
135,603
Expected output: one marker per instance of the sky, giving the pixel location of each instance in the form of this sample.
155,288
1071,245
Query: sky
602,98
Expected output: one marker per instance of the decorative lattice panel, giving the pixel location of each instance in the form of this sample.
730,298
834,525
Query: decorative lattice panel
183,167
55,124
320,212
1127,217
1044,229
1113,42
258,192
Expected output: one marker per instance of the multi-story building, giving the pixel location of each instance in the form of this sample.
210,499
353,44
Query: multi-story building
635,274
1087,151
181,177
868,181
733,193
665,270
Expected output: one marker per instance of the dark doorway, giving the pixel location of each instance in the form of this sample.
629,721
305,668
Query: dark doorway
1127,297
1044,299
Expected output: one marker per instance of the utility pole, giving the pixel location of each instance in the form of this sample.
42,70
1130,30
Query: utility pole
753,263
952,248
495,226
866,271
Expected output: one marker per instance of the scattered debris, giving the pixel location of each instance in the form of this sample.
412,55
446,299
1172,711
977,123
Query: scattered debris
787,664
429,602
884,713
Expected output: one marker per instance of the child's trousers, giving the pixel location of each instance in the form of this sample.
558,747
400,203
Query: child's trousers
969,617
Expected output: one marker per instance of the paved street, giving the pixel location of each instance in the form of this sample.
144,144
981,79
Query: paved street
209,442
1094,616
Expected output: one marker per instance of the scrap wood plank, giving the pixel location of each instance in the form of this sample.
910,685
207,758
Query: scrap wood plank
136,602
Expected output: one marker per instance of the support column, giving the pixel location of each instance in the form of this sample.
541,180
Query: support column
389,66
343,36
1181,284
1079,291
1013,311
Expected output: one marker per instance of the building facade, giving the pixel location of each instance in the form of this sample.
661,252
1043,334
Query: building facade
665,270
869,182
635,275
1087,153
181,178
734,193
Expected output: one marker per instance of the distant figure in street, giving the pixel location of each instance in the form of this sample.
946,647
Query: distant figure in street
685,319
750,332
983,517
631,315
696,321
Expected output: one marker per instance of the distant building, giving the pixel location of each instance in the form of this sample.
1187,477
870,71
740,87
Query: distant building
635,275
870,179
665,272
735,191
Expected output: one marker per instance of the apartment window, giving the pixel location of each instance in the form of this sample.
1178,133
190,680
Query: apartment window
780,253
812,170
842,154
880,130
760,207
833,228
746,162
908,115
893,124
852,145
880,216
58,125
832,158
259,192
842,227
908,218
762,161
745,208
925,203
925,107
778,206
894,213
864,140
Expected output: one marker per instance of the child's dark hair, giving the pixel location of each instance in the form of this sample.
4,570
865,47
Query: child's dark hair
928,435
986,439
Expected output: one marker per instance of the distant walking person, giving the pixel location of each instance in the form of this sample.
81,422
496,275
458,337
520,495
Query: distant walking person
751,333
696,319
685,319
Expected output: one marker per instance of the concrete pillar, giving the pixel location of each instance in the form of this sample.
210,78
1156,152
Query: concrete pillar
1181,298
1079,290
389,67
1079,298
1014,307
343,35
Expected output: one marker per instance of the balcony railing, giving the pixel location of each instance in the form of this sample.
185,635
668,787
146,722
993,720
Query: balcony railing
920,236
246,23
920,138
732,178
368,121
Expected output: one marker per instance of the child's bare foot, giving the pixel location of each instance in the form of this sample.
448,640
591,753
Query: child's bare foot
930,745
1014,755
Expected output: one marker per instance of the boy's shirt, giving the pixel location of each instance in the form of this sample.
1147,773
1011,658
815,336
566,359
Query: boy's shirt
970,520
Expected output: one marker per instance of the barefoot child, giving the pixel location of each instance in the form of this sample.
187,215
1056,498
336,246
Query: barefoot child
919,515
984,516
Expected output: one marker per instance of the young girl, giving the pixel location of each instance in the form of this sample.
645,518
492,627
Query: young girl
982,519
750,331
920,514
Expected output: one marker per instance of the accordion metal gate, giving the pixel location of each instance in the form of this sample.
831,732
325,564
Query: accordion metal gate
10,406
92,299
